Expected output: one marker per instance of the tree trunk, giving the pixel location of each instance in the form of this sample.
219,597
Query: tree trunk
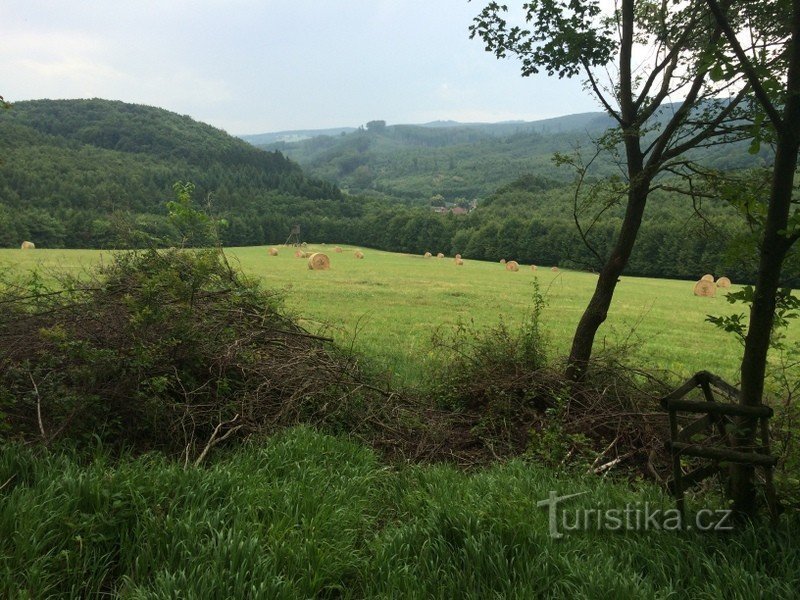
597,309
774,247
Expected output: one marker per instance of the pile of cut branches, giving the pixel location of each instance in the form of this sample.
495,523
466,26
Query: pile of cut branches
169,350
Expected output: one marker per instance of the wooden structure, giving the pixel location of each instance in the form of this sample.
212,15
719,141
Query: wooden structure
294,236
714,425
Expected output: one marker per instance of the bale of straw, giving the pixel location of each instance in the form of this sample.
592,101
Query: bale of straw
28,246
459,261
554,269
440,255
502,261
273,252
338,250
458,256
723,282
533,267
300,254
428,255
304,244
358,254
707,277
319,262
705,288
512,265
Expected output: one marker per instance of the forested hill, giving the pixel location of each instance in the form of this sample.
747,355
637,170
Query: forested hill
462,161
70,169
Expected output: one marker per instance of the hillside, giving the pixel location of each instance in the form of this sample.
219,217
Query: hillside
73,170
461,161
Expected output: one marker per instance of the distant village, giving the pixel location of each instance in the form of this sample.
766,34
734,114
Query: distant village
456,208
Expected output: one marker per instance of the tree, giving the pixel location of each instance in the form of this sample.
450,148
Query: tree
764,41
376,126
680,45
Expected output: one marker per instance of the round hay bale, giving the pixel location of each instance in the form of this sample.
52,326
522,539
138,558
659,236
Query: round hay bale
554,269
273,252
300,254
428,255
723,282
533,267
338,250
459,261
458,256
304,244
705,288
512,265
319,262
358,254
440,255
27,246
707,277
502,261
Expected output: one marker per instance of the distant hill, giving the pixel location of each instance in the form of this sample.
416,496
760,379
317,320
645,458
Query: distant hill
459,161
261,139
72,169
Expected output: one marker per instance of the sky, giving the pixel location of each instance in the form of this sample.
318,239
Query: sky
255,66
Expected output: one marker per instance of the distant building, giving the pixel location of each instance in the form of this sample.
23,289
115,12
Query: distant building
455,209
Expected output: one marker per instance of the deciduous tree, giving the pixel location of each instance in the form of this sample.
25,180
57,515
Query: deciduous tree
654,67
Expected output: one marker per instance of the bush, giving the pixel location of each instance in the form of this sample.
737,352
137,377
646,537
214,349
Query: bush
172,350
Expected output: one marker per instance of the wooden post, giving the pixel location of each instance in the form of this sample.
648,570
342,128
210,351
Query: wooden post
677,472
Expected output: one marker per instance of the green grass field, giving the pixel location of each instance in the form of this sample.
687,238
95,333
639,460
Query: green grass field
302,514
392,303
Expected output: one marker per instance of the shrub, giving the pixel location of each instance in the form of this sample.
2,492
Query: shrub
172,350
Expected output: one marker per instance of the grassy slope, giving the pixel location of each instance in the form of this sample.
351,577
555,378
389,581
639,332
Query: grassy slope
305,515
394,301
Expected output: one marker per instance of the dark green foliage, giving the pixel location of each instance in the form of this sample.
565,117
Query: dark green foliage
73,169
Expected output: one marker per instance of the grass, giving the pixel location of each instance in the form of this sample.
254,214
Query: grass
391,303
306,515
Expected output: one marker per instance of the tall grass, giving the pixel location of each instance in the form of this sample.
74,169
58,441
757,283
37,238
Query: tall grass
307,515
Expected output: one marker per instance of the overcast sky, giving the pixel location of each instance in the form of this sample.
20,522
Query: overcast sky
253,66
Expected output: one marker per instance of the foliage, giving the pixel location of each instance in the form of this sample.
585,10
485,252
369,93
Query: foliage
74,169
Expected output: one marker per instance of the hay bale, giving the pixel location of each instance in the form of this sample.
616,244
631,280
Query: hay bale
440,255
554,269
458,256
273,252
723,282
459,261
319,262
338,250
300,254
707,277
358,254
27,246
512,265
428,255
304,244
705,288
502,261
533,267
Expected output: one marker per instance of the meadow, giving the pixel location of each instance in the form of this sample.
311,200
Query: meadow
303,514
389,304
